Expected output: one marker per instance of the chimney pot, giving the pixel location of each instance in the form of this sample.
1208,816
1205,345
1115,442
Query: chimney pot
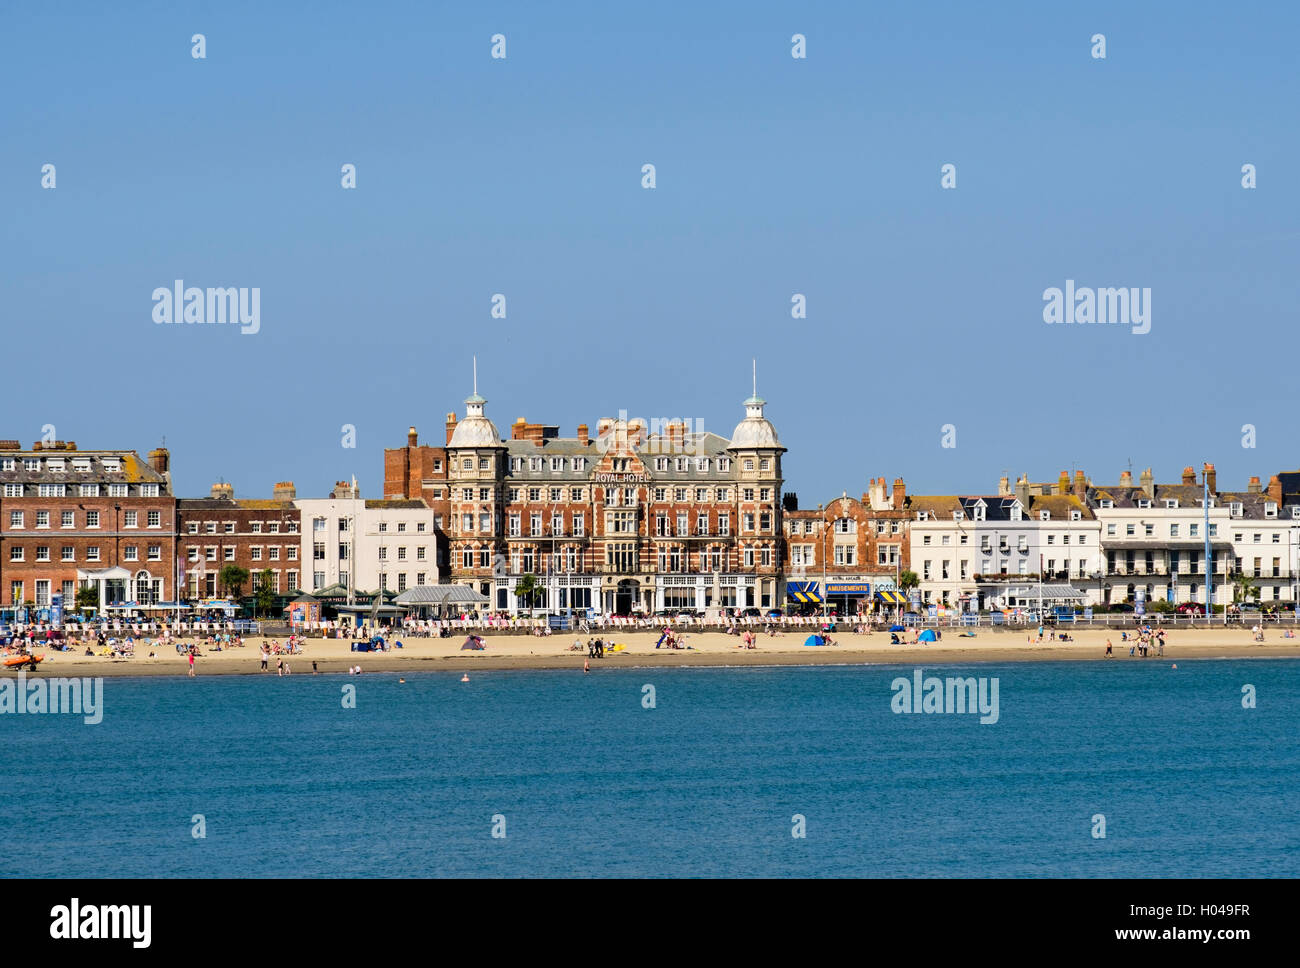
412,438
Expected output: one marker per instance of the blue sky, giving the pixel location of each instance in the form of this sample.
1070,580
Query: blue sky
774,176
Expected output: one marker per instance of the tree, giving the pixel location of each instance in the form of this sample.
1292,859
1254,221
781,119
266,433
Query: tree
87,597
908,580
265,591
233,578
528,589
1244,587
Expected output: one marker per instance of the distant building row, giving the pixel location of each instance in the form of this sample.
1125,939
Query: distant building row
639,517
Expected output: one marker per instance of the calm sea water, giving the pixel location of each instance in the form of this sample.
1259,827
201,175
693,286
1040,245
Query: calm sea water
591,783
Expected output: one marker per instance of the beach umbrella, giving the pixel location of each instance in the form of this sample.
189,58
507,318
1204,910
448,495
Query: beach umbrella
927,636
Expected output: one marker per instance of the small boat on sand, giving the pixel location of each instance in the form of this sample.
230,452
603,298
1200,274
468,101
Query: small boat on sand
18,661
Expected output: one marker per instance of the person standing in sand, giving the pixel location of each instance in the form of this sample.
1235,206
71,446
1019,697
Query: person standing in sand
1110,652
264,657
191,663
586,667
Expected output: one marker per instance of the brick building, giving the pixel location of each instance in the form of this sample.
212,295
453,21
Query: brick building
848,552
105,519
256,535
641,517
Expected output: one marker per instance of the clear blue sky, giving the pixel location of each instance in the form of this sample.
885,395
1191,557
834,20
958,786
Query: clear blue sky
775,176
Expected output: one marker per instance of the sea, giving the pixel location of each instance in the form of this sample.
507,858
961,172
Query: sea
1120,768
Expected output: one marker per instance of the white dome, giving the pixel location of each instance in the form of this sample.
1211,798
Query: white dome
475,430
755,430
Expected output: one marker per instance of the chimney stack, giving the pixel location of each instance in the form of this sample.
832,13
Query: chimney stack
900,494
1148,483
584,435
1022,490
1211,478
342,491
1081,485
1126,479
284,491
1253,487
451,426
1004,486
412,438
1063,484
1189,475
223,492
160,459
1275,490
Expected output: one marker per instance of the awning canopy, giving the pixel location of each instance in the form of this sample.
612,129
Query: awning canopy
1058,593
891,596
804,592
441,595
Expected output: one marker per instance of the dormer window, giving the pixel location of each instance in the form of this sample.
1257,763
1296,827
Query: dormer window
1044,515
956,515
1144,503
1270,510
1295,511
1076,516
1235,509
1106,504
922,515
978,514
1171,503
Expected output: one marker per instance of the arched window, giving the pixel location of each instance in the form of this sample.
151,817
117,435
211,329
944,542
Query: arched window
144,593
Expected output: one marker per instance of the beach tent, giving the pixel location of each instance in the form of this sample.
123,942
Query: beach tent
927,636
472,642
897,628
814,640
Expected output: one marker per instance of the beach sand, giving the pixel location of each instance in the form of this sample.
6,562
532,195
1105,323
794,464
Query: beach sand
707,649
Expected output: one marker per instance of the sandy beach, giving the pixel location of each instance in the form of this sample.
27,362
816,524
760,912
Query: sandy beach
706,649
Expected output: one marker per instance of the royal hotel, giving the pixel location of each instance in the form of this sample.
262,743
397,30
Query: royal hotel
640,517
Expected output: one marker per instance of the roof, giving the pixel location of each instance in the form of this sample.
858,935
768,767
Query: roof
440,595
1048,592
398,504
134,470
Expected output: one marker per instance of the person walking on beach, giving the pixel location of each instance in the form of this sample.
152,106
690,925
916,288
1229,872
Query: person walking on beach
279,667
1110,652
264,656
191,663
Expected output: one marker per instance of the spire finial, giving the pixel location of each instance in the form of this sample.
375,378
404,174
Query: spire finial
475,376
755,362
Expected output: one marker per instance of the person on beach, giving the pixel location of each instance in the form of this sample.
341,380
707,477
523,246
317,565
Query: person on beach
191,663
279,667
313,667
1110,652
586,666
264,657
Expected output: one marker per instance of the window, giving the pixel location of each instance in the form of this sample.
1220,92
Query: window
230,554
318,551
15,519
255,553
318,524
42,552
210,553
14,490
130,553
16,553
148,490
117,490
228,527
52,490
155,521
92,519
579,525
293,552
92,552
419,553
66,553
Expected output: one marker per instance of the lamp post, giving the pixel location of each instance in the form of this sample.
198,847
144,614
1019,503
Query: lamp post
825,597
